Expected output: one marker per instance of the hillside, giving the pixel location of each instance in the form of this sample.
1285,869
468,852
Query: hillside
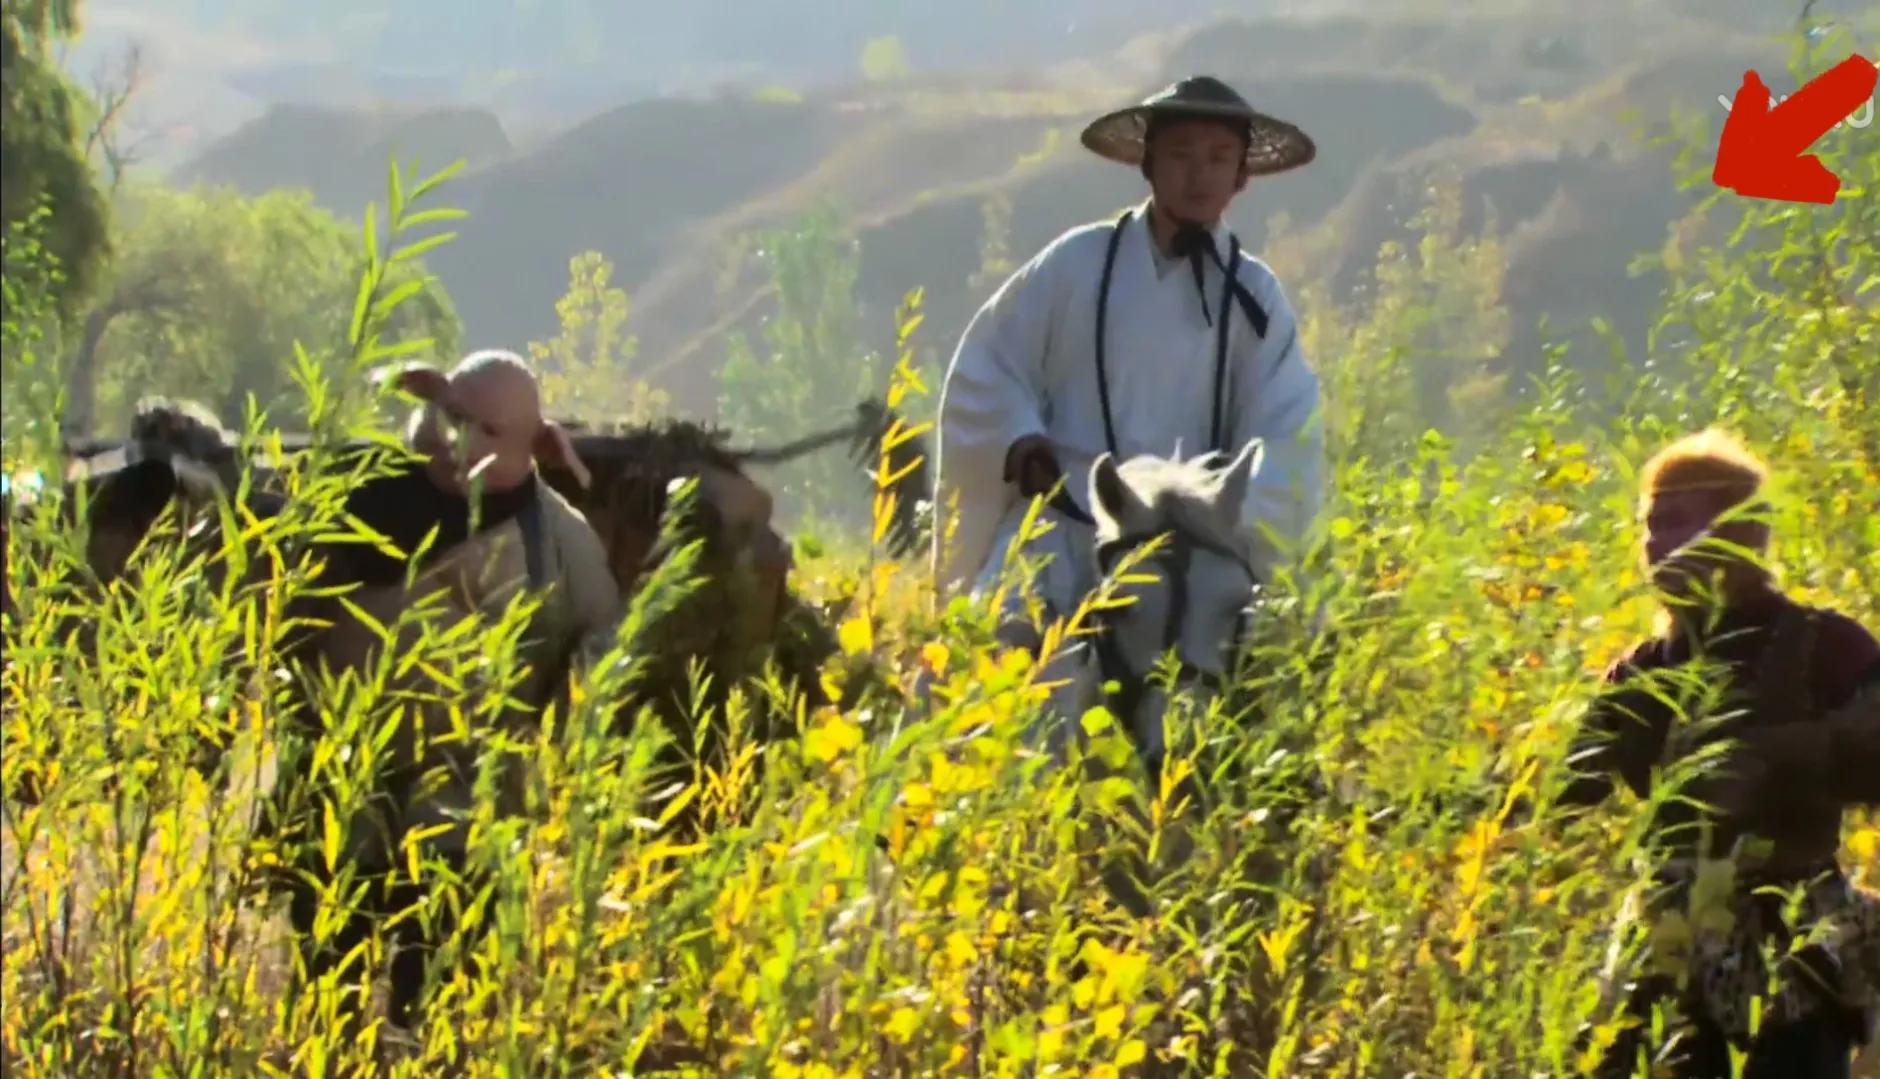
342,155
1532,113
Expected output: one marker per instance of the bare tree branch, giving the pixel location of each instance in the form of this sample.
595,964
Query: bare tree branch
112,91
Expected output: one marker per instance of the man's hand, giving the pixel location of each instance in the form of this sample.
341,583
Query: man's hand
1033,465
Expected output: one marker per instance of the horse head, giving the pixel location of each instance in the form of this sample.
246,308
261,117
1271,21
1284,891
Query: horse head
1199,581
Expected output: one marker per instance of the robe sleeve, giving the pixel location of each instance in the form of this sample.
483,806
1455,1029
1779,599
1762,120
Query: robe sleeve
1274,397
596,607
992,396
1846,763
1853,756
1619,738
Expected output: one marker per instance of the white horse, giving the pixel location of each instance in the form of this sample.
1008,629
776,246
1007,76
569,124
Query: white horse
1194,598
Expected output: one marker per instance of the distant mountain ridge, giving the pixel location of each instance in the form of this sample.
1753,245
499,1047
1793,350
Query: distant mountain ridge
1526,110
342,155
670,46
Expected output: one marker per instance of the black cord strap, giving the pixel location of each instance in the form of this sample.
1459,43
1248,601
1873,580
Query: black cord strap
1231,289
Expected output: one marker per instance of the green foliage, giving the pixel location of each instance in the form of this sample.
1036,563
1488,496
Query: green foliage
40,21
29,344
816,369
1423,351
42,159
586,369
776,94
113,764
995,238
210,294
884,59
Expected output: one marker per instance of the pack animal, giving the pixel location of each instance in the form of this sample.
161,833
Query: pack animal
176,462
740,613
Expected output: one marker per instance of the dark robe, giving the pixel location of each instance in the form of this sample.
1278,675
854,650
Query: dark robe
1782,664
405,506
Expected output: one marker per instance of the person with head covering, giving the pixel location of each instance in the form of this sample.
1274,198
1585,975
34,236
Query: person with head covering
1153,333
1788,696
496,531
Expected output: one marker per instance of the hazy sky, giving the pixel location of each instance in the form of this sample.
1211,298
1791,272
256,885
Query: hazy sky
209,65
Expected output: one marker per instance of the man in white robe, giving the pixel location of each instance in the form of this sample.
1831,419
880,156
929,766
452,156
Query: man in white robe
1023,404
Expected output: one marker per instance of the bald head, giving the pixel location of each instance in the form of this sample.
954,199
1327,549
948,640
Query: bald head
494,365
482,423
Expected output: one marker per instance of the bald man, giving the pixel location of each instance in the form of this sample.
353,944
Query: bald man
482,424
480,432
500,530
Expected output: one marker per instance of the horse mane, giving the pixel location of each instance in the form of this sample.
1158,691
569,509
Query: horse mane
1184,496
668,446
631,467
181,425
182,432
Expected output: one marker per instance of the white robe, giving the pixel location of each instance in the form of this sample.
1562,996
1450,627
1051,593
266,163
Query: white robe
1027,365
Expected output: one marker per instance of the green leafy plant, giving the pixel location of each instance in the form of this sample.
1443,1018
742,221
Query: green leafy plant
586,369
814,366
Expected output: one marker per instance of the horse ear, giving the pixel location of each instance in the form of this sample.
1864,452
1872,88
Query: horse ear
553,447
1234,478
1109,494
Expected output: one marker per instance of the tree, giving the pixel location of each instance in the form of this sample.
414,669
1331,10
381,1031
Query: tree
995,248
210,294
1456,327
29,344
1422,352
585,368
884,59
104,111
42,157
816,367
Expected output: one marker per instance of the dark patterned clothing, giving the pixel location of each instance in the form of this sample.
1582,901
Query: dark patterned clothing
1796,690
1767,662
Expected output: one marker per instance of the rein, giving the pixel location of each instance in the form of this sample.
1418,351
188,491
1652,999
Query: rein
1063,503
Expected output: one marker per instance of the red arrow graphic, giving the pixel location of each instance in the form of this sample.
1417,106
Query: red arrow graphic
1760,153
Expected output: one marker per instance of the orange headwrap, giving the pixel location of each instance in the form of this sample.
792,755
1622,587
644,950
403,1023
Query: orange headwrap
1708,460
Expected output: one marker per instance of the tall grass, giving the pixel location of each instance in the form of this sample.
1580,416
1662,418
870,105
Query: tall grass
1360,879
